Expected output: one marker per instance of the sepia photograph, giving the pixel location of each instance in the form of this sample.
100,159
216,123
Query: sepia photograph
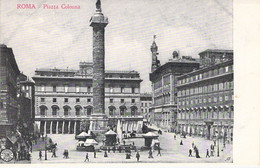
98,81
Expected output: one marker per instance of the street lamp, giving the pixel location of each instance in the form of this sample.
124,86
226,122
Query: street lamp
46,147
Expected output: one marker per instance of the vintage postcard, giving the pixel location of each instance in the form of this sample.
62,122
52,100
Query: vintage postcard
98,81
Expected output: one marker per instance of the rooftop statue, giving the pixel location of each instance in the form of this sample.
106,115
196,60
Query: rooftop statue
98,4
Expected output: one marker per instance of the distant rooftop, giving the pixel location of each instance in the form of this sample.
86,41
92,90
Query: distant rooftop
217,50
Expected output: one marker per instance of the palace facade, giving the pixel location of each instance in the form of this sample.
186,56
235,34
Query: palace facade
205,97
64,98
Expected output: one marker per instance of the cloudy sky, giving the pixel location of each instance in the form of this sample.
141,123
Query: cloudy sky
48,38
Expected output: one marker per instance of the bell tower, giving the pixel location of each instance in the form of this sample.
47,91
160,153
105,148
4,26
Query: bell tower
155,61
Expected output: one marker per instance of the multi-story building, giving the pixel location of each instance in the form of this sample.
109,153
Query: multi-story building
9,72
63,98
26,96
146,103
205,98
164,79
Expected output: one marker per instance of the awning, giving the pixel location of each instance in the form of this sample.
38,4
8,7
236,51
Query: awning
83,135
89,142
150,134
110,132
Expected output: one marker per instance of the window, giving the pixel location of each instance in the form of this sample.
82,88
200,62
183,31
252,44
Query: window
111,100
77,88
111,89
122,100
89,89
54,88
42,100
226,69
42,88
54,100
66,100
77,111
122,89
77,100
220,98
133,100
66,111
226,98
66,88
133,90
89,100
210,100
215,99
221,86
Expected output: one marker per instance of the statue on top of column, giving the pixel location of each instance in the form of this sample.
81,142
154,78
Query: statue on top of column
98,5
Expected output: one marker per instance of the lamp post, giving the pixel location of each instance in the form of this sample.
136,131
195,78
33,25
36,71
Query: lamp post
46,147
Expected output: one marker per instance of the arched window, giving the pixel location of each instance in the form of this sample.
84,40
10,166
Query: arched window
122,110
78,110
112,110
66,110
55,109
89,110
133,110
43,110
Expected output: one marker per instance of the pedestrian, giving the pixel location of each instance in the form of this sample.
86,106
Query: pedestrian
224,145
137,156
124,142
207,153
190,152
105,154
95,154
114,149
192,144
159,151
67,154
150,154
53,152
211,152
40,155
174,137
133,143
181,143
108,150
214,142
86,158
128,155
197,153
119,149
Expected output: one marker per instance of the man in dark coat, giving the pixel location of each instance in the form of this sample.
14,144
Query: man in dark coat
190,153
207,153
137,156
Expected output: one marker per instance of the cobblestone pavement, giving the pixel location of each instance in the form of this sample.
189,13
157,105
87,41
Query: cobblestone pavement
171,151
